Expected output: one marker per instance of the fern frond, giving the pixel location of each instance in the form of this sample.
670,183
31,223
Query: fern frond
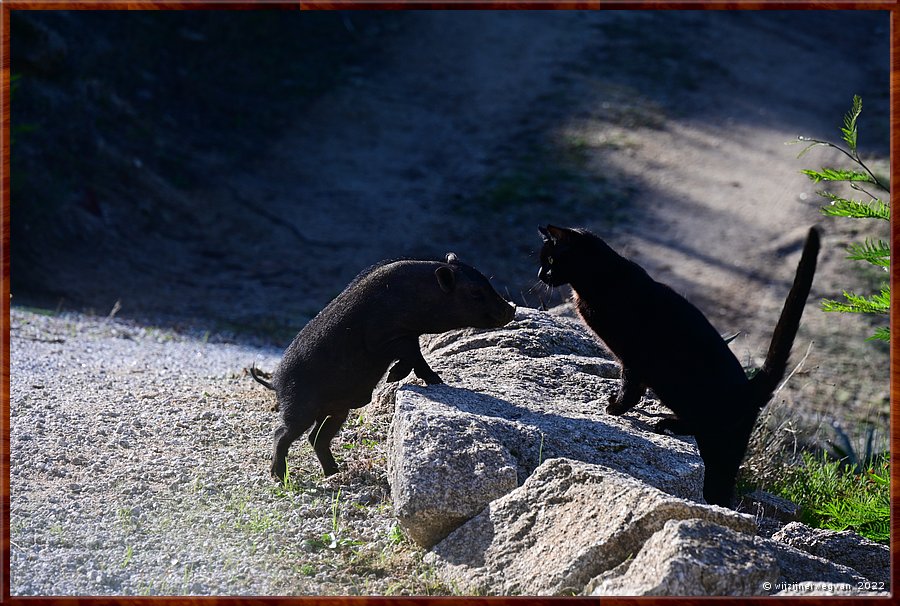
837,174
875,253
842,207
849,131
875,304
882,333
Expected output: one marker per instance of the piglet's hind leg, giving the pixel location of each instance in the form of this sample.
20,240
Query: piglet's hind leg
320,437
284,437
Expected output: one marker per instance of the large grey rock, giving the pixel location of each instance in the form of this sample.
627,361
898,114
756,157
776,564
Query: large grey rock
533,390
821,574
868,558
701,558
444,466
569,522
764,504
693,558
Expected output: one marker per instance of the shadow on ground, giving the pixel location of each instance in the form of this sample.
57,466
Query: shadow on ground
231,172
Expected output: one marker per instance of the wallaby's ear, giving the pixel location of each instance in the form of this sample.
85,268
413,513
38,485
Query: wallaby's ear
557,233
446,278
452,258
552,233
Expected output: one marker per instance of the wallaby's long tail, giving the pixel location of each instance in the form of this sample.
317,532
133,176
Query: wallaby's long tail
766,380
259,379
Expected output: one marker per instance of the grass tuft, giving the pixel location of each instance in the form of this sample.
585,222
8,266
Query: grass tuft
833,495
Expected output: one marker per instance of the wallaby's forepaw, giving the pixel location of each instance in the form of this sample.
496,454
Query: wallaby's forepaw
432,379
616,407
619,405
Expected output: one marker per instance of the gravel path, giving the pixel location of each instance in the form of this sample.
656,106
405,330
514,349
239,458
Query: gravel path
145,472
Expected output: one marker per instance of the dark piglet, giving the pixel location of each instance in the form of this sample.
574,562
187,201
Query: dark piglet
334,363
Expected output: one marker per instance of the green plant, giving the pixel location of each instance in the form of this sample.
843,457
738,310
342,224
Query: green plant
395,535
333,540
335,510
126,519
833,495
856,459
860,179
289,486
249,519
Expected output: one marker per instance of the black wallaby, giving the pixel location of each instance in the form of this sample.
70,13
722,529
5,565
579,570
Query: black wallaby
665,343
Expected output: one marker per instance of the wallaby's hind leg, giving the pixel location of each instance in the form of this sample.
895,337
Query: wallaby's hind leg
320,437
722,453
677,426
284,437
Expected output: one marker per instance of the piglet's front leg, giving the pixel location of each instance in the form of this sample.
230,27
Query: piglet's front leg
410,358
398,371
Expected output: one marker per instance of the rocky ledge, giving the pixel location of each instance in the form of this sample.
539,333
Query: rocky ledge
517,482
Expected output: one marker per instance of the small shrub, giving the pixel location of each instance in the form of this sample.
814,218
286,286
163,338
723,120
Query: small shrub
860,179
833,495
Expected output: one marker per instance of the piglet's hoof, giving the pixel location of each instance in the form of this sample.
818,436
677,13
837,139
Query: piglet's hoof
278,473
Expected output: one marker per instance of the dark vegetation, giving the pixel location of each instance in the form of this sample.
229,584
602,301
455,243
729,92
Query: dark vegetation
120,118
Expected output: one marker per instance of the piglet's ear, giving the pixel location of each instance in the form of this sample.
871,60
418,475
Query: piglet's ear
452,258
446,278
